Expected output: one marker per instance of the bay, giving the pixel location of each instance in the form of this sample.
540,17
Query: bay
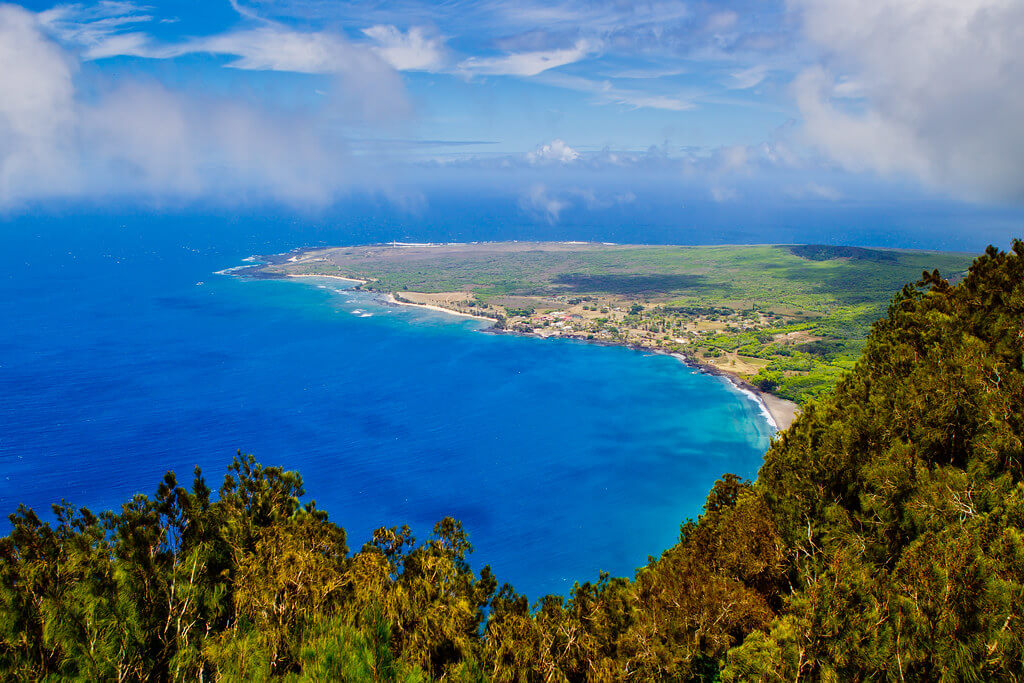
125,356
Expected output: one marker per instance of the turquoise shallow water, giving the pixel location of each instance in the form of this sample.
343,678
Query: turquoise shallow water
561,458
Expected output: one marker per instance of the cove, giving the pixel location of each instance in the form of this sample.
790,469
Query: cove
561,458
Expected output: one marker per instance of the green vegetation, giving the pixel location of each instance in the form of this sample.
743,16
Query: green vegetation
883,538
821,252
790,317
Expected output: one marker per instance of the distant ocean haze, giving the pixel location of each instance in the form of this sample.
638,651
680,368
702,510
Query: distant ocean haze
116,365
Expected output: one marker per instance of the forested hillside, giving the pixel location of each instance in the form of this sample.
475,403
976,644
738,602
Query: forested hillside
881,540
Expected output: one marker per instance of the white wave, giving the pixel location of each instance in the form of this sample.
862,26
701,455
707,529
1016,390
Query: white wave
765,413
228,271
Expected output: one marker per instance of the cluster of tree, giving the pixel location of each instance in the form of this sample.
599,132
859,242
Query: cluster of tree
252,585
524,312
712,312
824,252
884,537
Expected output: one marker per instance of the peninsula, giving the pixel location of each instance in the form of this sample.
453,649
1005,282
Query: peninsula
784,321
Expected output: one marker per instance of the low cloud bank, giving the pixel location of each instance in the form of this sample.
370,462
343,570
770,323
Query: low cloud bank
59,139
932,89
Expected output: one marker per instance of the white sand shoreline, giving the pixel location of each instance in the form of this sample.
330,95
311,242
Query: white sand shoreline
765,412
439,309
779,412
333,277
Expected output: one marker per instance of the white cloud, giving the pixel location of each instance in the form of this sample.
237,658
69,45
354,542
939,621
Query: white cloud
942,88
724,194
366,84
544,204
534,40
538,202
528,63
640,100
846,87
90,26
414,50
276,49
721,21
606,93
143,139
647,73
748,78
36,106
597,16
724,166
814,190
860,141
595,201
366,74
554,151
733,159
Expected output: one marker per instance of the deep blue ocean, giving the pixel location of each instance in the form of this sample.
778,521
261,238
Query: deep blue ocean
122,355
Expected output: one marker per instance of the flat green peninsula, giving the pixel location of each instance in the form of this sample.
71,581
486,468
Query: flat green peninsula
788,320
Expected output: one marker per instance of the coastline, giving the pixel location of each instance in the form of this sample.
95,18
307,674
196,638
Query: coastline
390,297
438,309
780,413
332,277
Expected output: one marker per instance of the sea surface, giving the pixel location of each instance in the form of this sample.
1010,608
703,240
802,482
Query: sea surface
123,355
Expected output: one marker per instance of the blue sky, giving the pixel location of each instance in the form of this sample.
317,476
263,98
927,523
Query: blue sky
566,105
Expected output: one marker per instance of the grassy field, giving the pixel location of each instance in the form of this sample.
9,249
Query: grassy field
790,319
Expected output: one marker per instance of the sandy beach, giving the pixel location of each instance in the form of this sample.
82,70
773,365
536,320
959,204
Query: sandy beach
332,277
440,309
784,412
